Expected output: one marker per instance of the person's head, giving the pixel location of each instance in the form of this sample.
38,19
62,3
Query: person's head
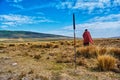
86,30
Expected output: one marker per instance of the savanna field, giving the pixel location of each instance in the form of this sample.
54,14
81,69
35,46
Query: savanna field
54,60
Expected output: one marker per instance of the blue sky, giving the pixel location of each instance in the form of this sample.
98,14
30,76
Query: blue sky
100,17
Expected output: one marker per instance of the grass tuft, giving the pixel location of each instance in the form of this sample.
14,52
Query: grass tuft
37,56
106,62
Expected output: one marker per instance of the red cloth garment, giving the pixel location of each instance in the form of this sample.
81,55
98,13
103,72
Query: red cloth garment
87,37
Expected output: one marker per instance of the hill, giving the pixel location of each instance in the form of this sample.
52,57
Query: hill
116,37
27,34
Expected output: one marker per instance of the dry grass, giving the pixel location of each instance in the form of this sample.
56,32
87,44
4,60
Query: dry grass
94,51
106,62
37,56
81,61
45,45
114,51
53,60
87,52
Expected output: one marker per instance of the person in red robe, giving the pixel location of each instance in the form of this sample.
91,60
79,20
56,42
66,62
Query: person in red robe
87,38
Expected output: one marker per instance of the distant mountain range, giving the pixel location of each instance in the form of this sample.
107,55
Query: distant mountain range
116,37
27,34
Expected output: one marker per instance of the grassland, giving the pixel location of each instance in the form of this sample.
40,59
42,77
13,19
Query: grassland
54,60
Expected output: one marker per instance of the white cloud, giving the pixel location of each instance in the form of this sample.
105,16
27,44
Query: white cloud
105,22
40,13
15,1
116,2
112,17
63,5
89,5
14,20
17,6
92,5
8,23
4,27
108,26
95,25
97,29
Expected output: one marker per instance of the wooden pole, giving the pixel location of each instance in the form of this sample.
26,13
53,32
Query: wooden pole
74,41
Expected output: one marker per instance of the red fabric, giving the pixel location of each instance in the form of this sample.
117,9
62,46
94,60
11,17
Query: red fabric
87,37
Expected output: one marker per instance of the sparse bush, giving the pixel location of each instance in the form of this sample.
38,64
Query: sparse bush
55,46
117,53
36,46
40,77
114,51
56,76
83,52
90,51
63,60
52,54
11,45
2,46
29,43
93,51
102,50
68,43
31,71
106,62
37,56
87,52
22,44
42,51
61,43
48,45
64,56
81,61
22,74
24,54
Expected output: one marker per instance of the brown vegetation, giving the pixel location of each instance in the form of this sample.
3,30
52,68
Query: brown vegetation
106,62
54,60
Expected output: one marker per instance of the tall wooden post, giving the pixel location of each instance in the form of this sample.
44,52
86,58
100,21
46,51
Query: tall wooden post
74,41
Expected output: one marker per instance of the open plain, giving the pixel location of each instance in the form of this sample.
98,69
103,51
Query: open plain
25,59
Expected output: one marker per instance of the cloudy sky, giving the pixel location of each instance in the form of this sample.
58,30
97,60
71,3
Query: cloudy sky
100,17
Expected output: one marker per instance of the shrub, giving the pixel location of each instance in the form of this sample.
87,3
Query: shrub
41,77
2,47
83,51
102,50
81,62
22,74
31,71
11,45
114,51
87,52
37,56
22,44
106,62
93,51
43,45
36,46
61,42
47,45
55,46
65,60
117,53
